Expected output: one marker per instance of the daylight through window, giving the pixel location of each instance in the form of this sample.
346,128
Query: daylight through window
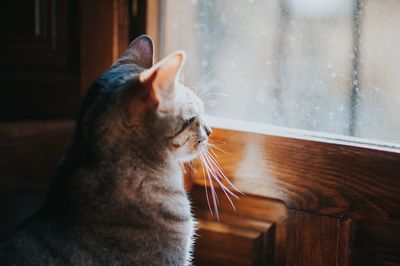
322,65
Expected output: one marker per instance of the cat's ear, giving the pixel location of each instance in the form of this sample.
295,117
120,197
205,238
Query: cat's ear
139,52
162,76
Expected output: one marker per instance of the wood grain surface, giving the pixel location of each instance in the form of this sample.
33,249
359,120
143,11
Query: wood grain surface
29,153
246,236
323,178
330,204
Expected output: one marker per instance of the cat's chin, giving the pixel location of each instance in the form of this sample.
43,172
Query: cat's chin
188,158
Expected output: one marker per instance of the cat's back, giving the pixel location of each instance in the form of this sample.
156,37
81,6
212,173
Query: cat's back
29,244
40,240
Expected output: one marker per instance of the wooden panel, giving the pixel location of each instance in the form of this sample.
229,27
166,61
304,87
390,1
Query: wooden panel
37,34
137,17
376,242
224,244
264,255
20,17
292,237
29,153
344,244
104,35
33,98
311,239
253,214
39,57
387,260
323,178
343,202
55,53
96,39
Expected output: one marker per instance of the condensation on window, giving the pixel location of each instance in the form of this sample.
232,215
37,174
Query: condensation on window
321,65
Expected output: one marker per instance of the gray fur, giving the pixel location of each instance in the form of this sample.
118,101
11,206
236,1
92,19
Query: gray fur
118,197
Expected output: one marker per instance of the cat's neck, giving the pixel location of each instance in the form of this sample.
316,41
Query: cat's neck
122,182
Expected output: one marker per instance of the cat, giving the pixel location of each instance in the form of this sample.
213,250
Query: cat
118,197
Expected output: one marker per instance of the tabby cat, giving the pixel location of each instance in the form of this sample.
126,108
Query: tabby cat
118,197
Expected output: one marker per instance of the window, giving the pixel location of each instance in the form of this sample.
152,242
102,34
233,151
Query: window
321,65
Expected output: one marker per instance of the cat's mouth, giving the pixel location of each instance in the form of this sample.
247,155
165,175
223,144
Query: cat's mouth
190,148
200,145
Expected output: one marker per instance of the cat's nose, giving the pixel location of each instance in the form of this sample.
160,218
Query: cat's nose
208,130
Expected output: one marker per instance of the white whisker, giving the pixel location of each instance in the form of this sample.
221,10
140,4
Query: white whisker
201,81
215,163
214,173
205,188
211,149
211,103
205,95
217,174
213,194
213,146
215,141
225,190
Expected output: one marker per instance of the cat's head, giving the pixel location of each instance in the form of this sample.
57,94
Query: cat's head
143,107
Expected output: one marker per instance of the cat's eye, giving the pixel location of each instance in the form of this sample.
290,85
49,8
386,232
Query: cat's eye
184,125
187,122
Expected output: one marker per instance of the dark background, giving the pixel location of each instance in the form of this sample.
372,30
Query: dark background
50,53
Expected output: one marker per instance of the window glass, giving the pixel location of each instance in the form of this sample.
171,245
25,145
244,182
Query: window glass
322,65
